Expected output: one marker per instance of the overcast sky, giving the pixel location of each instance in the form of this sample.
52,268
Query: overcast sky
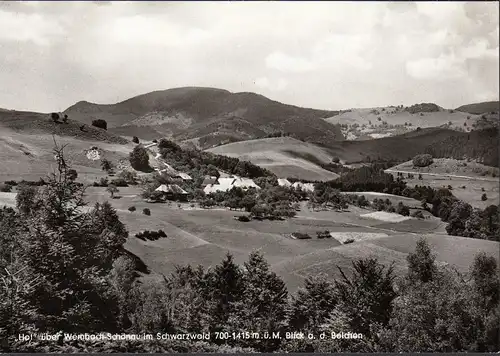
325,55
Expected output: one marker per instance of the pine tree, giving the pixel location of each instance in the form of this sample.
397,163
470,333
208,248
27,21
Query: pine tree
77,248
311,306
264,304
366,297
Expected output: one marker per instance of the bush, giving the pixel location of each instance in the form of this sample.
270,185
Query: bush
99,123
323,234
402,209
335,159
301,236
132,209
244,218
150,235
119,182
418,214
135,139
139,158
146,211
349,241
422,160
5,188
484,197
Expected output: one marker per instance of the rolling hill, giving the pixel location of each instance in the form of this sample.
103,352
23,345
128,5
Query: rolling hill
481,145
480,108
379,122
209,116
27,141
284,156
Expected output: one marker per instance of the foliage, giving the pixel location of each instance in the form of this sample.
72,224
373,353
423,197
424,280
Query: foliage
146,211
112,190
135,139
422,160
100,123
150,235
139,158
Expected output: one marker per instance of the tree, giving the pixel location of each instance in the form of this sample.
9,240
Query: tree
72,174
106,165
484,197
225,294
422,160
402,209
367,296
311,306
100,123
139,158
263,304
421,264
112,189
146,211
55,117
135,139
72,294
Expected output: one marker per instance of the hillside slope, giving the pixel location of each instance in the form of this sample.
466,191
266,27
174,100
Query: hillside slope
481,145
378,122
480,108
212,116
32,123
284,156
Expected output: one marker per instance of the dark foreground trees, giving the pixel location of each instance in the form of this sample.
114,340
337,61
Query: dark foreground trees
64,269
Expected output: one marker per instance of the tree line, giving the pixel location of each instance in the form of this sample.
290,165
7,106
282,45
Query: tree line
429,308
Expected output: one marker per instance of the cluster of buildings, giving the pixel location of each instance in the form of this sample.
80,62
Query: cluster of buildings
213,184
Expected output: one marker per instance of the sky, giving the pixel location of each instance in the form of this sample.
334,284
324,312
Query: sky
324,55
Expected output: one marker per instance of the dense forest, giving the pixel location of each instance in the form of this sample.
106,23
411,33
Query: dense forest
69,290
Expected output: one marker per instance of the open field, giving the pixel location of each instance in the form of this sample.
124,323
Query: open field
199,236
389,121
468,189
284,156
30,157
453,168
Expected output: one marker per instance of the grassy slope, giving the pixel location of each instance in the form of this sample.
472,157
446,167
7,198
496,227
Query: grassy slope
284,156
480,108
404,147
194,112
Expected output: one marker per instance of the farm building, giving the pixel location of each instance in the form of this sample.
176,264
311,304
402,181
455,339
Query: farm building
173,192
307,187
226,184
283,182
184,176
209,180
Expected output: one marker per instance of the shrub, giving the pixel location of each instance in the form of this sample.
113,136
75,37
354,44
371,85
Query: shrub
155,141
100,123
106,165
484,197
301,236
335,159
11,182
146,211
418,214
150,235
323,234
135,139
5,188
54,116
132,209
402,209
422,160
139,158
349,241
244,218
